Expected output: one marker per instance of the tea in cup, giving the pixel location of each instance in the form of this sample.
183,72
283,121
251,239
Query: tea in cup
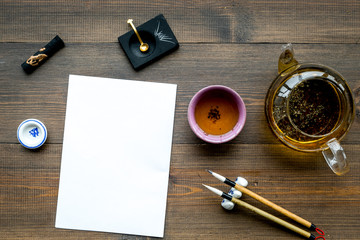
216,114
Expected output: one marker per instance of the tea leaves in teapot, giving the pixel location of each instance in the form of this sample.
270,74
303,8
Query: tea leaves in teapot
314,107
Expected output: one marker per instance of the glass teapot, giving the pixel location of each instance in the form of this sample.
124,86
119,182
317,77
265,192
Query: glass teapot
310,107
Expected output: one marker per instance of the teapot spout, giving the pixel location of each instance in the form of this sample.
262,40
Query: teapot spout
286,58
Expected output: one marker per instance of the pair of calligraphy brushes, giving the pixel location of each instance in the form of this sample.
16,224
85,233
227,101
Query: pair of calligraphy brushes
261,212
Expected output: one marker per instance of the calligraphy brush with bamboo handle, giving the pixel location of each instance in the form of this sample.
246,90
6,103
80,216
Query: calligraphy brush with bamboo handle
263,200
262,213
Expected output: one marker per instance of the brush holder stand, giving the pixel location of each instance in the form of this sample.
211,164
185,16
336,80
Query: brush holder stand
228,205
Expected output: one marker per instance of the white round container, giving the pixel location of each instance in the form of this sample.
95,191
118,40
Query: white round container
32,133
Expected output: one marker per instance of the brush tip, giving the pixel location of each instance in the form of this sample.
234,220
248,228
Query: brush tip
209,171
206,186
218,176
214,190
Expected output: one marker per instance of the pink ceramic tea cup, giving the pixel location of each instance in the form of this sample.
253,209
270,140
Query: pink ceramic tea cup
233,96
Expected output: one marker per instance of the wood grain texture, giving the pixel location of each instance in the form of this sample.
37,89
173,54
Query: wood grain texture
209,21
233,43
301,183
247,68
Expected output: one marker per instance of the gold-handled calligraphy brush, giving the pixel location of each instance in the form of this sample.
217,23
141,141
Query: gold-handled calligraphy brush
262,213
263,200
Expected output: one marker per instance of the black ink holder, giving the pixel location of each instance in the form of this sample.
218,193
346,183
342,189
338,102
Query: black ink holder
157,34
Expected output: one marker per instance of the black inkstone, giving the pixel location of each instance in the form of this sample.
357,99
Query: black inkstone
157,34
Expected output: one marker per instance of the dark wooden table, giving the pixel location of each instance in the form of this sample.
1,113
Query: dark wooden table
233,43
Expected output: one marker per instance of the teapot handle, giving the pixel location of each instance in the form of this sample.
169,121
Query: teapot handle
286,58
335,157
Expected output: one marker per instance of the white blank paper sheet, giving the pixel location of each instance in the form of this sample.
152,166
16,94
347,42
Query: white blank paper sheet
116,156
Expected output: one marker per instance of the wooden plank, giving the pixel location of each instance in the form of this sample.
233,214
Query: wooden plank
210,21
233,43
249,69
301,183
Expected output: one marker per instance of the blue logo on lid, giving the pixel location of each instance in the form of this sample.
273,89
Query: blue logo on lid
34,132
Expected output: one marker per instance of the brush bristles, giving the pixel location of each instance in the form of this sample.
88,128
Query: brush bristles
214,190
218,176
